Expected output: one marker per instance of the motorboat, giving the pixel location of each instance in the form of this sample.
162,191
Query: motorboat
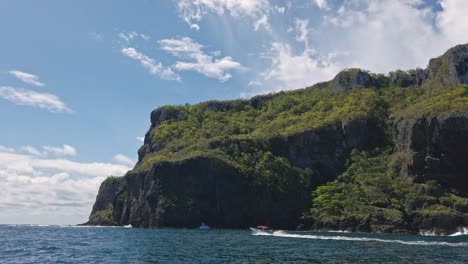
262,229
204,227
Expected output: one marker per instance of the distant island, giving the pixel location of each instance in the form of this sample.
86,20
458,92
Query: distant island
363,152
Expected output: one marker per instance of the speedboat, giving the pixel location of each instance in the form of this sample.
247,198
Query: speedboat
204,227
262,229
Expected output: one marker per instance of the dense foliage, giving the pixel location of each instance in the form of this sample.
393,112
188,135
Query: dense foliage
374,189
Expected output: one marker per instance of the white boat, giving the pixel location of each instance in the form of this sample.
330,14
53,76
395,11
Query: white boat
262,229
204,227
128,226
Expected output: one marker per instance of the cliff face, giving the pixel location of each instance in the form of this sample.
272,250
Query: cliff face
240,163
435,149
103,209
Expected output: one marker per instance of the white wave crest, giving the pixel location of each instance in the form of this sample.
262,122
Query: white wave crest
462,231
363,239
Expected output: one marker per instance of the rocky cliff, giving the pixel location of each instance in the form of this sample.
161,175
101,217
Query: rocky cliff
291,159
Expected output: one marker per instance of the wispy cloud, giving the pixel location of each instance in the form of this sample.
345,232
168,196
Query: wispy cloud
141,139
64,150
46,101
151,65
194,11
197,60
122,159
26,77
129,36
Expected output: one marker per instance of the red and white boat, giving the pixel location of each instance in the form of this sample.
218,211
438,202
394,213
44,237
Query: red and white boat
262,229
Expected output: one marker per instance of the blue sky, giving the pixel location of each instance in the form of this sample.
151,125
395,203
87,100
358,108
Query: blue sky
78,79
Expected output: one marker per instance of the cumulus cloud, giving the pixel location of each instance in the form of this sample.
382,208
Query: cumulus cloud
49,190
122,159
197,60
26,77
46,101
141,139
289,70
151,65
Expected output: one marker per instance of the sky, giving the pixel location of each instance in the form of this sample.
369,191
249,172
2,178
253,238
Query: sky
78,79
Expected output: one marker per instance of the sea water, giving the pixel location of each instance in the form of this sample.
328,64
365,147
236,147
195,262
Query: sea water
68,244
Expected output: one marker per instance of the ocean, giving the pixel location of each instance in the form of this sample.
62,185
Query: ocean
70,244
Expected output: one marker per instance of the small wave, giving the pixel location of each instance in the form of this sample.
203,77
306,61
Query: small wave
462,231
338,231
92,226
362,239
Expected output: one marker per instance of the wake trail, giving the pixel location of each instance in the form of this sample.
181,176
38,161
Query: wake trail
362,239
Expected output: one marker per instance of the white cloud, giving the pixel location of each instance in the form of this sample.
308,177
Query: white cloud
122,159
26,77
321,3
6,149
151,65
140,139
129,36
65,150
302,31
262,22
49,190
25,97
453,20
290,71
254,83
192,11
280,9
31,150
187,49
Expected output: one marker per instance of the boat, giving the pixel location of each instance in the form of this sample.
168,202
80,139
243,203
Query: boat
204,227
262,229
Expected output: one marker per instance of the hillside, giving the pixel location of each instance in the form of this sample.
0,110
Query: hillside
362,152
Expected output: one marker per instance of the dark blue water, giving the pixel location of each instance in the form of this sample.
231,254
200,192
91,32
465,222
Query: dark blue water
55,244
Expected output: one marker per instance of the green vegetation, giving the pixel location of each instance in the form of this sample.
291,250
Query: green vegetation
374,189
285,114
103,217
